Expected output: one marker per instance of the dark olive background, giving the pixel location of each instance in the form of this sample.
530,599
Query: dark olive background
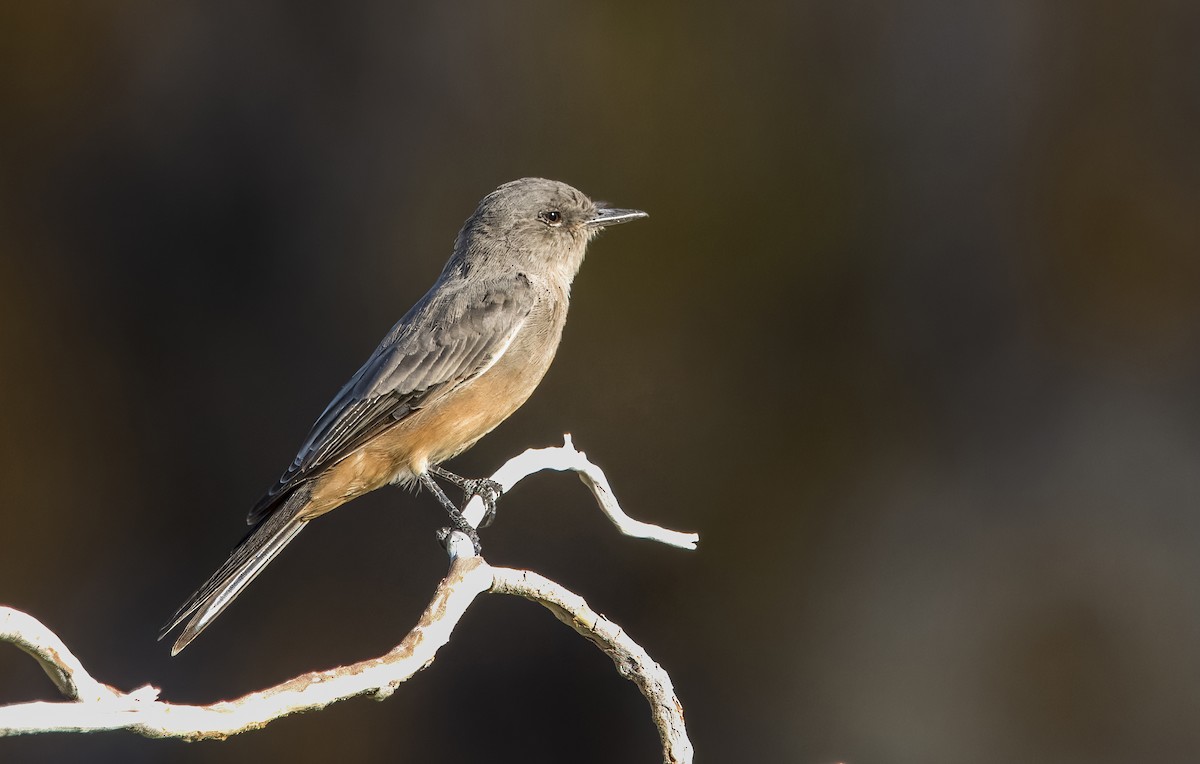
911,337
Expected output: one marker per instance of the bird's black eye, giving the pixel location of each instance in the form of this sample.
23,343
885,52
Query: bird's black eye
551,217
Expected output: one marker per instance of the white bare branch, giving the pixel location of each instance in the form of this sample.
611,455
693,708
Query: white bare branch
142,712
92,706
632,662
564,458
59,663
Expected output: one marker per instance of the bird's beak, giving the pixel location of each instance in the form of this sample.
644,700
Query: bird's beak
606,216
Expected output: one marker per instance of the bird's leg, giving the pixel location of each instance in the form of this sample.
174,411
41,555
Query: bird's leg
488,490
460,523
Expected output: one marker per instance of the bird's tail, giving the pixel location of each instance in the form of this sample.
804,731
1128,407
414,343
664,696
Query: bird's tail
247,560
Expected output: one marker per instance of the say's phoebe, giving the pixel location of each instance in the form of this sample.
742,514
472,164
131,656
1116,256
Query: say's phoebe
463,359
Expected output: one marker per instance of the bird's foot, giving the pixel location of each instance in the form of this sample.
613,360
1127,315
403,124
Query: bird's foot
486,489
443,536
456,516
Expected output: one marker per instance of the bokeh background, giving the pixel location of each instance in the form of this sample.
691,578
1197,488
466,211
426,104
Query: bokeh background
912,338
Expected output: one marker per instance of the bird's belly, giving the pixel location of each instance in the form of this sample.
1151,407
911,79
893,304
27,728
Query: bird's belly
452,424
442,429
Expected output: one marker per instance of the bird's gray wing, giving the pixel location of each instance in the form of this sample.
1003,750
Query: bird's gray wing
445,341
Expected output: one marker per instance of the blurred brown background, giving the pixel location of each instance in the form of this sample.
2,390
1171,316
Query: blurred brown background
912,338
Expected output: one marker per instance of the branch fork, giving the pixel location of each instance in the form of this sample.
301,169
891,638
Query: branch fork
92,706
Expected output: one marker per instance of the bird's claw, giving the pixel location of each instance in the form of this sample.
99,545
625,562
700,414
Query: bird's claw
443,537
488,490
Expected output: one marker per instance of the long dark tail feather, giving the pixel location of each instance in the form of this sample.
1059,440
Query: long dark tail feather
246,561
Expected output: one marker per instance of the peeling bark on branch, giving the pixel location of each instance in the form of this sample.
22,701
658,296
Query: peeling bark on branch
92,706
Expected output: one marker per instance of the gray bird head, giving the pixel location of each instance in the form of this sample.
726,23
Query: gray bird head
535,224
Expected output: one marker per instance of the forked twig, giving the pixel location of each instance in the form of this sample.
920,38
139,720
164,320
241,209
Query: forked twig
92,706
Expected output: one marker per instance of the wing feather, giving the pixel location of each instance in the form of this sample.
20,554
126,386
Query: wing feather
445,341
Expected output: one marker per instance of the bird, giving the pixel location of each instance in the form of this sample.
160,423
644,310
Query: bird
467,355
